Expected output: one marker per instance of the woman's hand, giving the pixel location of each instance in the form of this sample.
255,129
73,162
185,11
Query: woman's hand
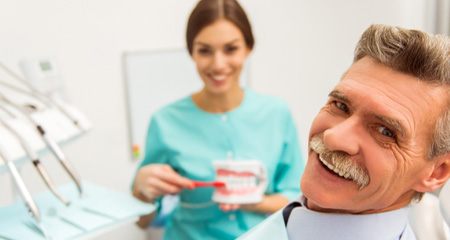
155,180
269,204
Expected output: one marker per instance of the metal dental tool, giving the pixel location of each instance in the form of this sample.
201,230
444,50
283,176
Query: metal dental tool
33,156
33,210
23,190
50,142
38,95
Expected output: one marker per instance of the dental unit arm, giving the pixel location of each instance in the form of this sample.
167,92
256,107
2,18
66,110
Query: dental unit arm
49,141
32,155
48,101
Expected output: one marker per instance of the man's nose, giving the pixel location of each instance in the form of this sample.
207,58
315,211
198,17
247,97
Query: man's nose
344,136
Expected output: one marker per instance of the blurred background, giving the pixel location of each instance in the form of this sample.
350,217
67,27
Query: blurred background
302,48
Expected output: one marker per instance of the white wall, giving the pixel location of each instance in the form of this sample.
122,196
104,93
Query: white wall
302,48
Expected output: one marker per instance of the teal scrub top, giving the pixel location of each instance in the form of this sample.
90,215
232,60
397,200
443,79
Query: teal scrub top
190,139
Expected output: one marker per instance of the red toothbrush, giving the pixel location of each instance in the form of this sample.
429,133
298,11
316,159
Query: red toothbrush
215,184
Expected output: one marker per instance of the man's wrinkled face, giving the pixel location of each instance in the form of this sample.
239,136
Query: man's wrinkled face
369,143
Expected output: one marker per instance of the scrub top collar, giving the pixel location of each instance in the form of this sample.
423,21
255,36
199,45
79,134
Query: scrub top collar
248,94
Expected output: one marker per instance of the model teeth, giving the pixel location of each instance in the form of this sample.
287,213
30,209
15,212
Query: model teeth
238,183
335,170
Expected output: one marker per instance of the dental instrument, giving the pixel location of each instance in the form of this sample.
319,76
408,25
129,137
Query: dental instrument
26,196
33,156
49,141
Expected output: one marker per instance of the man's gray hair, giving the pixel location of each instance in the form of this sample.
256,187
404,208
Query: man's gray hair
417,53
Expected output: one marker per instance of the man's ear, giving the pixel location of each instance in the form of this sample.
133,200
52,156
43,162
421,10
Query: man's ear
439,174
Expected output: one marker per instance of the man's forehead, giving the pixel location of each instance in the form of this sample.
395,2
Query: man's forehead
406,89
371,70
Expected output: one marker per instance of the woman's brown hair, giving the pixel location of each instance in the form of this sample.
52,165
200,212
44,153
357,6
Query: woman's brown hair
208,11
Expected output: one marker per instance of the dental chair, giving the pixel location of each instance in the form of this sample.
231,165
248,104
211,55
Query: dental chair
430,218
444,200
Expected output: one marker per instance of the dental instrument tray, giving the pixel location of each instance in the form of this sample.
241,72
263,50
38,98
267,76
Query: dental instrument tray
99,209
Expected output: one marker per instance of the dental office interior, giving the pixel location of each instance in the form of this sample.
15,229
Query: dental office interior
91,73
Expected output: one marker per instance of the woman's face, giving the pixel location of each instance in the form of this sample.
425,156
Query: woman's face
219,52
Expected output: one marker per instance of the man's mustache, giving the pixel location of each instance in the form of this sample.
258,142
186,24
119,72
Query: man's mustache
340,162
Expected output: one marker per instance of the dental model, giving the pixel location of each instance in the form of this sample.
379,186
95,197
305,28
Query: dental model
237,182
245,182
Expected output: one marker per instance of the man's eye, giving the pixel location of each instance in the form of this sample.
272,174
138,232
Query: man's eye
342,106
386,132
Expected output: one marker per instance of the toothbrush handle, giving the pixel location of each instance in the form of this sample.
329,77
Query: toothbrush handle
215,184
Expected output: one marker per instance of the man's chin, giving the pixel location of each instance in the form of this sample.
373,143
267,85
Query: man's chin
326,206
316,203
319,201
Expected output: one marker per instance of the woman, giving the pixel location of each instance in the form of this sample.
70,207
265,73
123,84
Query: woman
219,122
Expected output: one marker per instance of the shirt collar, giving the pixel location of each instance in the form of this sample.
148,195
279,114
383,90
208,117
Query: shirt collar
304,223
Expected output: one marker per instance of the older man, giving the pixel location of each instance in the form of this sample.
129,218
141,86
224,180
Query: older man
380,142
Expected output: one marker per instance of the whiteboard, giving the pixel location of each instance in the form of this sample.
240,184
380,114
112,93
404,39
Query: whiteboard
154,79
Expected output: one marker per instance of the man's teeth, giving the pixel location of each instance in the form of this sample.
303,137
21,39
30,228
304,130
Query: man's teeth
337,171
